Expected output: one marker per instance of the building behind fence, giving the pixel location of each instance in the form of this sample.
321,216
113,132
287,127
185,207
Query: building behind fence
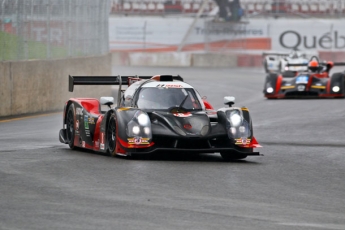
49,29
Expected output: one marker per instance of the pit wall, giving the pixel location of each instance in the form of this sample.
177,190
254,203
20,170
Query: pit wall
42,85
186,59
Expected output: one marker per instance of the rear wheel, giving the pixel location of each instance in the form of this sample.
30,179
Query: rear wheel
111,136
70,130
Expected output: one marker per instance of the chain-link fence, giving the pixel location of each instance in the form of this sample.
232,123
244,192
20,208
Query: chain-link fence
47,29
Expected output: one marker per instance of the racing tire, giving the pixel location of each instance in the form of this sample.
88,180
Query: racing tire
111,136
70,126
266,67
231,156
339,77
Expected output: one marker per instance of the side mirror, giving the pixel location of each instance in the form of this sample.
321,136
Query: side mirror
229,100
107,101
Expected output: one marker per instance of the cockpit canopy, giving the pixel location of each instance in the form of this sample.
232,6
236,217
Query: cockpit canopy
162,98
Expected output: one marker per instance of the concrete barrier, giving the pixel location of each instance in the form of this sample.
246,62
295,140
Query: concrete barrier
160,59
5,88
174,59
214,60
42,85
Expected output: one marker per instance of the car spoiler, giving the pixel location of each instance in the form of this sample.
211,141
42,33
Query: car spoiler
321,63
112,80
264,54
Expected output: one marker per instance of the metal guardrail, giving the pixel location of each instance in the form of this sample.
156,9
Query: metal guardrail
44,29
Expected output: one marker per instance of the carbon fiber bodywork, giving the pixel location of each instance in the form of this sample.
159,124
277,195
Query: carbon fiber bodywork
129,130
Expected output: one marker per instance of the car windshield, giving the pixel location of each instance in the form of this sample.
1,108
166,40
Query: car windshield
163,98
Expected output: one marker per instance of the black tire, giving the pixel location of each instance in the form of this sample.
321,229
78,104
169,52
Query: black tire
111,136
231,156
70,126
266,67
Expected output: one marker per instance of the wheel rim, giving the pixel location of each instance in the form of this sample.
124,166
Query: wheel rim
111,135
70,125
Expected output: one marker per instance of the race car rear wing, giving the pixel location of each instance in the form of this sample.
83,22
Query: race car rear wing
264,54
320,63
112,80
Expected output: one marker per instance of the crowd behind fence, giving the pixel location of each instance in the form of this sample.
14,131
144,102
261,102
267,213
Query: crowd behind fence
46,29
251,8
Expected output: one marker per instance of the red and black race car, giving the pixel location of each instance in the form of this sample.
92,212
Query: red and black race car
316,82
155,114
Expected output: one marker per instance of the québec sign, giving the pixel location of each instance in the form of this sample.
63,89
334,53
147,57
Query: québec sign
291,39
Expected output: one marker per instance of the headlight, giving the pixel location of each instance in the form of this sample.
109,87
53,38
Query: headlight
136,129
143,119
336,89
269,90
139,126
235,119
147,130
242,129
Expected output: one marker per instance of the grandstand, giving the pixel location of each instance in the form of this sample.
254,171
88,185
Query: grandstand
252,8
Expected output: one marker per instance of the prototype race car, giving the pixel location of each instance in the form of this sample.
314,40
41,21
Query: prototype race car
155,114
278,62
316,82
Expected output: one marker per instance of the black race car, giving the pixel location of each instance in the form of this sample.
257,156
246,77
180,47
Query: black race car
316,82
155,114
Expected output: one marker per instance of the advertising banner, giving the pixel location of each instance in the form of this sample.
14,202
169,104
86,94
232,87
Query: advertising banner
307,34
167,34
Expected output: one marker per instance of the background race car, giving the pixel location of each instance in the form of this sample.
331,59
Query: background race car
156,114
277,62
316,82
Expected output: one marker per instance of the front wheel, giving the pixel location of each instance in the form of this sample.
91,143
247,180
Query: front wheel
111,136
70,130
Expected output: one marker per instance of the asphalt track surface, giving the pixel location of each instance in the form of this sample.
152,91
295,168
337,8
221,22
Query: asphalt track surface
297,184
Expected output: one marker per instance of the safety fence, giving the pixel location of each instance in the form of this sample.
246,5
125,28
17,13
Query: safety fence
252,8
45,29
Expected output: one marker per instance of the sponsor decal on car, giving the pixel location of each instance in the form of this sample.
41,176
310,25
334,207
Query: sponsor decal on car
170,85
97,144
188,114
242,141
138,141
79,111
77,125
102,141
302,79
91,120
86,122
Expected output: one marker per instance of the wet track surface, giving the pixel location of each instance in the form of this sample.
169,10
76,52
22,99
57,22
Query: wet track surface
297,184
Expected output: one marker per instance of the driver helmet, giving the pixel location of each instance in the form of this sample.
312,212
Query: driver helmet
313,66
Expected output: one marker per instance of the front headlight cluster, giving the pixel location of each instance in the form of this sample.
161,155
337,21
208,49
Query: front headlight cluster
139,126
237,126
235,117
336,89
